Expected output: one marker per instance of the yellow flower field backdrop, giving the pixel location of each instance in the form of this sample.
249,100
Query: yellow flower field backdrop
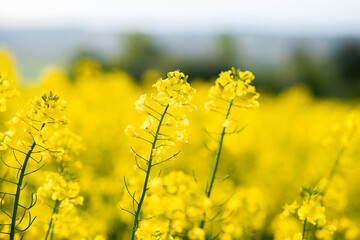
290,170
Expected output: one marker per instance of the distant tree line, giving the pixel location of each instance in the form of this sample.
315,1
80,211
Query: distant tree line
336,76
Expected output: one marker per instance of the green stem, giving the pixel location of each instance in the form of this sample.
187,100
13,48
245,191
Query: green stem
55,210
305,221
18,191
218,153
217,158
304,230
51,226
149,165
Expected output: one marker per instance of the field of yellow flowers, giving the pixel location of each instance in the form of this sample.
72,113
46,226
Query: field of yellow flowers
99,156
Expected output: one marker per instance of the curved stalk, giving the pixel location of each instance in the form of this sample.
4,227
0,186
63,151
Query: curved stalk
18,191
149,165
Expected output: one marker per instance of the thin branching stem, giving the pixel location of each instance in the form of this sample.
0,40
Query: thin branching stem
218,153
18,191
149,165
217,158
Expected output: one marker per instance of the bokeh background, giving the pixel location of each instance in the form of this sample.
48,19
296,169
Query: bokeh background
102,55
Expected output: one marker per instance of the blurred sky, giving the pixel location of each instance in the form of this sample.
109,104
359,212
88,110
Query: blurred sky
333,17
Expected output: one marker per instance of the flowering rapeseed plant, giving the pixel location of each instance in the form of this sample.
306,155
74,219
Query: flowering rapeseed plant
232,89
164,112
312,211
40,118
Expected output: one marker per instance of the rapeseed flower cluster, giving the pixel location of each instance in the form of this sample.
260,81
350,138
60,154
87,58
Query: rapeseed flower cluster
39,120
311,213
58,189
232,89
